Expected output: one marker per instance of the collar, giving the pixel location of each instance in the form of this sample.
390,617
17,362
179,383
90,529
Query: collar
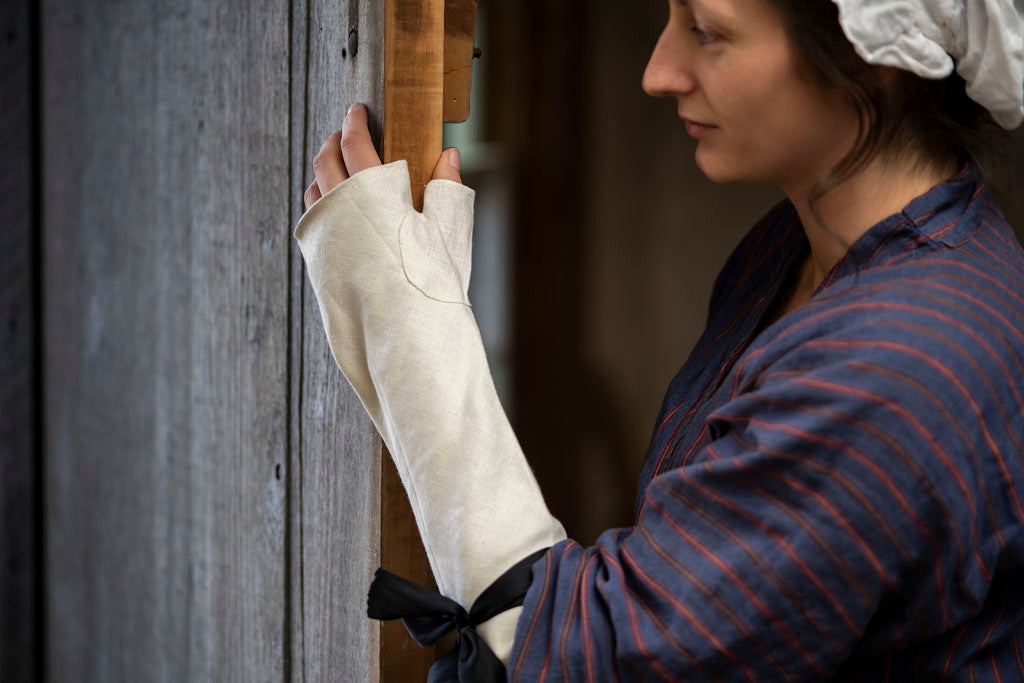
946,214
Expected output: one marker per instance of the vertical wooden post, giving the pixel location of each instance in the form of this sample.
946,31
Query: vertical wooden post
414,87
413,94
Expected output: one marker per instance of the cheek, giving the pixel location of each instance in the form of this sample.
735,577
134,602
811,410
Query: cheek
764,139
774,124
821,127
756,117
748,91
774,115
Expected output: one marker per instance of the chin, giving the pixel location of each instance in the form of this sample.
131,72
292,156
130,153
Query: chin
712,167
720,169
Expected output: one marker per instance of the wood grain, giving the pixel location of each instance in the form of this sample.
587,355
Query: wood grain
338,511
19,575
414,88
166,235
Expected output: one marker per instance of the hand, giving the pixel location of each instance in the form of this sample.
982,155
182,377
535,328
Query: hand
350,150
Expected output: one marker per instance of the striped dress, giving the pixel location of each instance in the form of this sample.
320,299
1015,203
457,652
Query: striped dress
839,496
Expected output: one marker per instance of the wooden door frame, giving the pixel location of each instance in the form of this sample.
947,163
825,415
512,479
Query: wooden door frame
418,97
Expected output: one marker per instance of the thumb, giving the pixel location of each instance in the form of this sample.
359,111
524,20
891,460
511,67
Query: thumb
447,167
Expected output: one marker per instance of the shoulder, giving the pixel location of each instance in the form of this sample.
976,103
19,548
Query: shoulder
946,311
890,375
926,352
958,303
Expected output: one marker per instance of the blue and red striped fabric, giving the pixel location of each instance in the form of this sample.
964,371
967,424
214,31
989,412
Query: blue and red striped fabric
839,496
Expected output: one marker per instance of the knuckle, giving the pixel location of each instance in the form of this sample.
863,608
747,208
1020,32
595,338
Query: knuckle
328,144
352,143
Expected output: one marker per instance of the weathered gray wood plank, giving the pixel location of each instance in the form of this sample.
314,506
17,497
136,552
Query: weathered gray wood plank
166,255
340,449
18,572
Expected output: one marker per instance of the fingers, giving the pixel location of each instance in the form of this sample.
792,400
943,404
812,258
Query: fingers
447,167
356,146
452,207
345,153
312,194
327,164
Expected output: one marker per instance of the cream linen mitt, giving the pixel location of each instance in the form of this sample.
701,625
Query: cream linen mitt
391,284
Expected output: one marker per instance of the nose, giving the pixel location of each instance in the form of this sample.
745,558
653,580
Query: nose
668,73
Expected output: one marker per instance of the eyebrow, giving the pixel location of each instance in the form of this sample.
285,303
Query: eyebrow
713,14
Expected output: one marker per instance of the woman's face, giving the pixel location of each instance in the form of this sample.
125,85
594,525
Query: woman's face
729,65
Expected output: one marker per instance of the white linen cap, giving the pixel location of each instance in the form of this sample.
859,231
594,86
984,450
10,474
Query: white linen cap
983,39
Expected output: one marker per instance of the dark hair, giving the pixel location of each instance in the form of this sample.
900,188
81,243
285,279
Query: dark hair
932,123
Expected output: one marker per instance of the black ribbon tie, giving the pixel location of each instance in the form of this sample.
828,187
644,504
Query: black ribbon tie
428,615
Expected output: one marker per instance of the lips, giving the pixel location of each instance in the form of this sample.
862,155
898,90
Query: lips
687,119
697,129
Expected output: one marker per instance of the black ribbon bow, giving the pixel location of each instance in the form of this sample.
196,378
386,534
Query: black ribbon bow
428,615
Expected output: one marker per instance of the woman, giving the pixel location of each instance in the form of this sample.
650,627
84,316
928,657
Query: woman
835,487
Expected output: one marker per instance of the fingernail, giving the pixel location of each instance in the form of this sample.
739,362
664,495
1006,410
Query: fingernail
351,107
454,158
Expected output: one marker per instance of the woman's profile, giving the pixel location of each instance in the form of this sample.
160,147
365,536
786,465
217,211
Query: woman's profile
835,484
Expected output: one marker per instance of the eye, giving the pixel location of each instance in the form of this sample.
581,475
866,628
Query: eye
704,37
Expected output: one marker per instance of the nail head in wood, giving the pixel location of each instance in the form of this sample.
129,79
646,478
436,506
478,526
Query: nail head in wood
353,42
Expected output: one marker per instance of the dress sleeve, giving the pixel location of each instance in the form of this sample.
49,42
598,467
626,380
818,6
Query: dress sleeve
834,490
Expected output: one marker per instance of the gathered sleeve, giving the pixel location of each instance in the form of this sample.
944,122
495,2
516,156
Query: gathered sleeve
842,506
